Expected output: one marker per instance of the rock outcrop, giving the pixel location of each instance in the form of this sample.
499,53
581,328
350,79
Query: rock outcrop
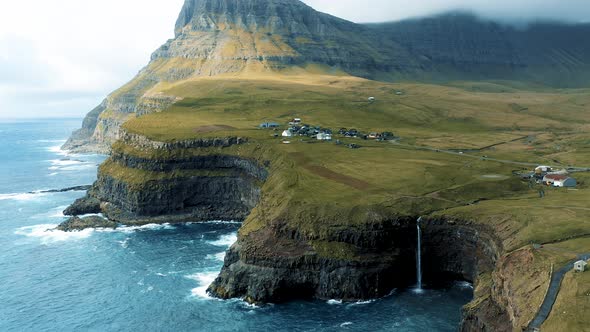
78,224
365,262
138,190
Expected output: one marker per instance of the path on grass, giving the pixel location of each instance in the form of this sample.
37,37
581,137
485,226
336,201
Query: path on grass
552,293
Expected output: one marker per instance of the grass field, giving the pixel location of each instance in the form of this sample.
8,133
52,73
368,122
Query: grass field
316,185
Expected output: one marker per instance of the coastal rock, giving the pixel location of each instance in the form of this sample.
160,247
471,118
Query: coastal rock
178,189
84,205
78,224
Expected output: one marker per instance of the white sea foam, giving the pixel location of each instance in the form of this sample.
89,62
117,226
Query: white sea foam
345,324
362,302
225,240
51,141
57,150
125,243
48,234
464,284
132,229
220,256
53,213
65,162
223,222
333,302
21,196
204,279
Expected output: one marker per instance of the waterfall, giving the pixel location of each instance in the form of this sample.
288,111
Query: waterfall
419,257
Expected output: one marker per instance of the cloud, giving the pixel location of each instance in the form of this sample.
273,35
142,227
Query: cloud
506,10
62,57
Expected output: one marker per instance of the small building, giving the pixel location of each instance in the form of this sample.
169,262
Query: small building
559,180
567,183
550,179
374,135
543,169
580,266
372,99
287,133
324,137
267,125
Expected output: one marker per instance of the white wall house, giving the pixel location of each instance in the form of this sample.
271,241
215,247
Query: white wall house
287,133
324,137
580,266
566,183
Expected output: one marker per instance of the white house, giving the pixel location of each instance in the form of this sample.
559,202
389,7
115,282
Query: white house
580,266
324,137
542,169
287,133
565,183
372,99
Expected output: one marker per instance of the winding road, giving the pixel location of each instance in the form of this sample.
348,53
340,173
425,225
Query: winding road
552,293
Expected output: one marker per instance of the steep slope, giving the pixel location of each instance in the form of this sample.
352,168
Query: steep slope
460,46
215,37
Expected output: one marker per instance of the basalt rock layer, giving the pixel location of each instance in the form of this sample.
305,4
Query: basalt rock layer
277,264
138,190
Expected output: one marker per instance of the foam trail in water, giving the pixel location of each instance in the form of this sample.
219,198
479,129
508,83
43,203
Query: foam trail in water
48,234
225,240
204,279
132,229
21,196
57,150
53,213
332,302
218,256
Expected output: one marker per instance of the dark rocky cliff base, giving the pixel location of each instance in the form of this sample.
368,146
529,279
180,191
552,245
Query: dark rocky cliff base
140,190
78,224
276,266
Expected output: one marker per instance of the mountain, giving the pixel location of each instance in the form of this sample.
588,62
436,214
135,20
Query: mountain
214,37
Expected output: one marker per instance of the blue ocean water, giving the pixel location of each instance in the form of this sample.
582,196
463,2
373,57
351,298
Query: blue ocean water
150,278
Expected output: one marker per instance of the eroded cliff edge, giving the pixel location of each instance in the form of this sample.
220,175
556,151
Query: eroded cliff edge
292,249
144,181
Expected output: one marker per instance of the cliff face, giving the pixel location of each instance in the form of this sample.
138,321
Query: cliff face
351,265
139,190
215,37
368,262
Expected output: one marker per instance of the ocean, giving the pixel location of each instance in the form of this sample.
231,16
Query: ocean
149,278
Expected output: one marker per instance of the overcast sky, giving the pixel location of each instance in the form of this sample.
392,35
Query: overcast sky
62,57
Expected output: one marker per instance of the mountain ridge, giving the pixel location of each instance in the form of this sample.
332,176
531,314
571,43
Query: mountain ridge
214,37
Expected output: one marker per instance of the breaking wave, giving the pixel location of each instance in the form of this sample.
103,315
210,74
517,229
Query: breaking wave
225,240
204,279
48,234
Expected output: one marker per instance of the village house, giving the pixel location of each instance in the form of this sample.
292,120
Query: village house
559,180
267,125
372,99
287,133
580,266
567,183
324,137
543,169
